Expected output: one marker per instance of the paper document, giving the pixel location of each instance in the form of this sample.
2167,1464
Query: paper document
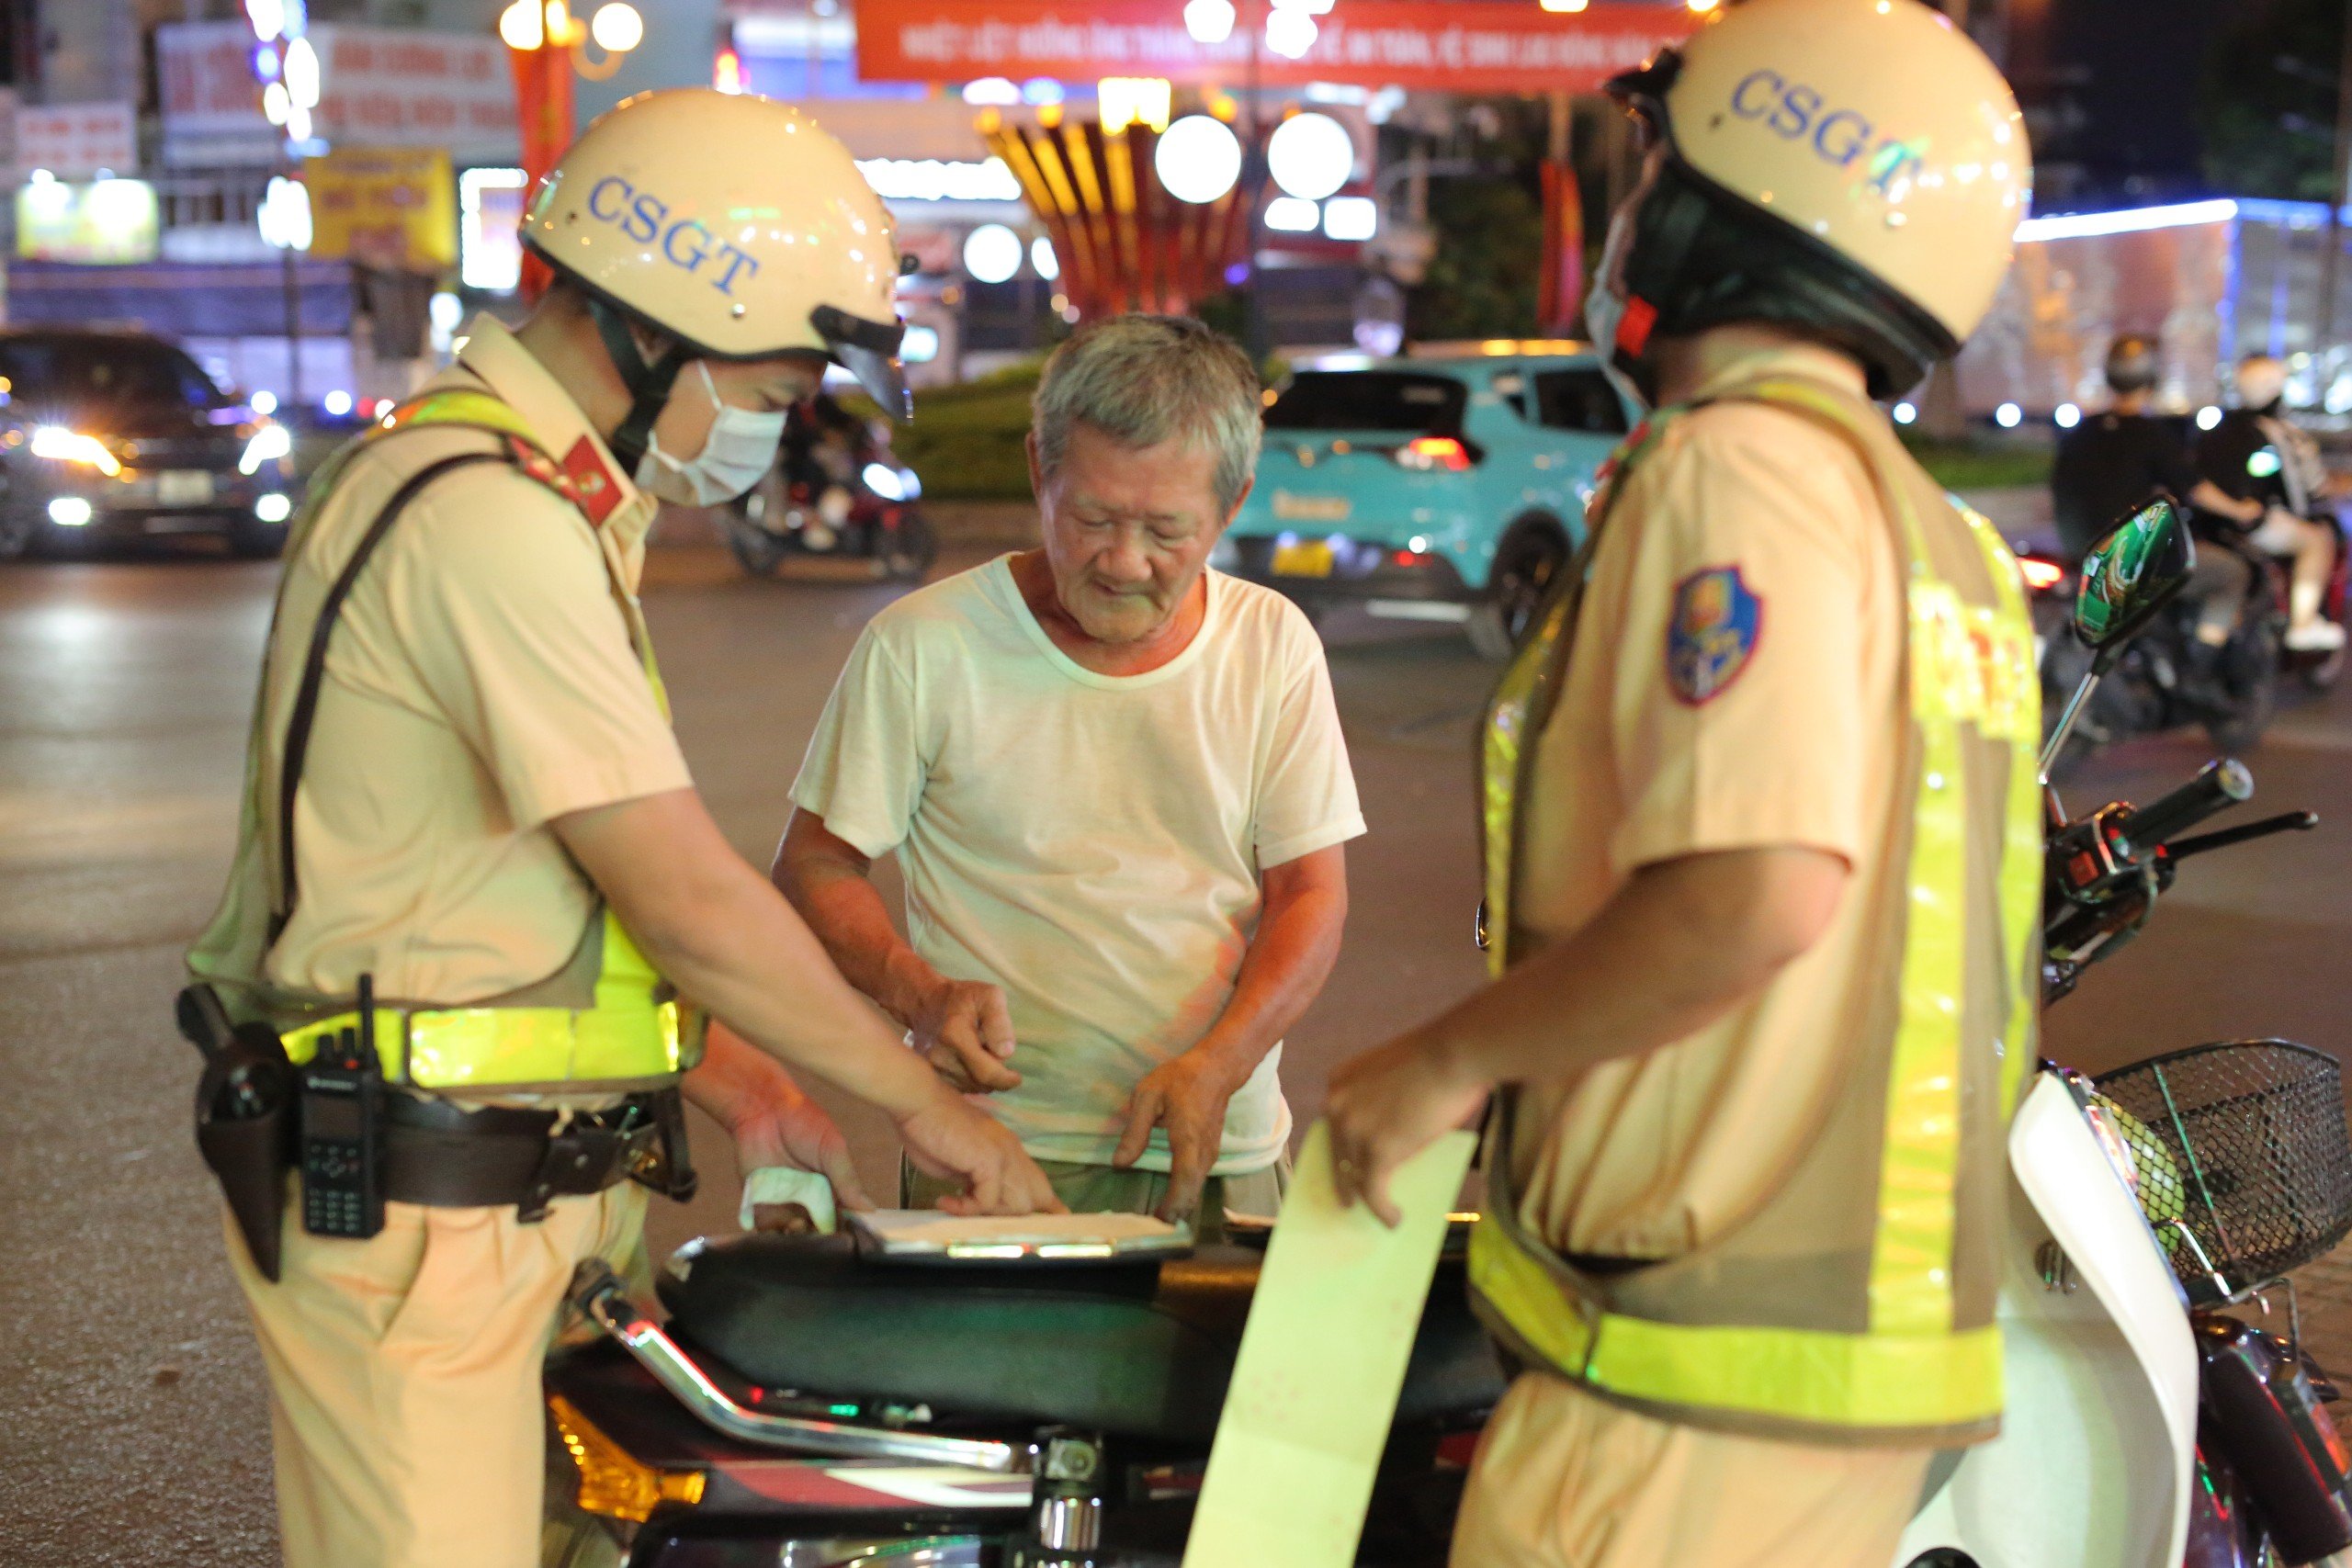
1322,1362
920,1231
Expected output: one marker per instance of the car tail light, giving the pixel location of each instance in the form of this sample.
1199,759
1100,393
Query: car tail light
2041,575
1434,452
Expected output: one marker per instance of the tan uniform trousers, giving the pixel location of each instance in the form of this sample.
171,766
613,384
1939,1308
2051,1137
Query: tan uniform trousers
405,1408
1564,1479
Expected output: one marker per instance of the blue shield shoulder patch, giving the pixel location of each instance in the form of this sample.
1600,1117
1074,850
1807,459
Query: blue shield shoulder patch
1712,635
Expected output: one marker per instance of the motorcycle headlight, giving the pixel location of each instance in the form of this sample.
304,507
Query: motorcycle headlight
884,481
270,443
60,445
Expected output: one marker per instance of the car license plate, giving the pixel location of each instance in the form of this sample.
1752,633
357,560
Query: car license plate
1308,557
1291,507
183,487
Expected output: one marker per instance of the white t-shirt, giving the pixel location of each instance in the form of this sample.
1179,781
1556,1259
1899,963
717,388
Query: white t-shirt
1090,843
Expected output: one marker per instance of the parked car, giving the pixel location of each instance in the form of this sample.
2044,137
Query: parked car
1446,486
114,434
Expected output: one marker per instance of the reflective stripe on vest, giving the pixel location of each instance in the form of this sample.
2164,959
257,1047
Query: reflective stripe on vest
1913,1370
632,1036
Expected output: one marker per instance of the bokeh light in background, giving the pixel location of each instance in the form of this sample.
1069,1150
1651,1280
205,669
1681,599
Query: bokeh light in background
993,252
1199,159
1310,155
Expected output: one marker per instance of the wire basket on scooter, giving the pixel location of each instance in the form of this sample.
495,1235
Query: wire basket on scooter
2245,1165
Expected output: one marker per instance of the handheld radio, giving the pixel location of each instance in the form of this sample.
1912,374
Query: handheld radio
343,1088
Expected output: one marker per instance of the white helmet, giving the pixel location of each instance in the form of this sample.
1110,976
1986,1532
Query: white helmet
734,225
1854,167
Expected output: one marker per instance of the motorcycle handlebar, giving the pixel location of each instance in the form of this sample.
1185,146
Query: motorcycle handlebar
2222,784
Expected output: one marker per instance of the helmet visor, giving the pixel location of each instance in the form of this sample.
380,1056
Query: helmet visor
869,351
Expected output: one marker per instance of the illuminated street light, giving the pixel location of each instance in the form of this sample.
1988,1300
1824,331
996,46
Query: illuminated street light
2008,416
1210,21
1041,257
993,252
1199,159
284,216
521,26
1291,33
1310,155
1293,215
617,27
1566,6
303,73
1351,218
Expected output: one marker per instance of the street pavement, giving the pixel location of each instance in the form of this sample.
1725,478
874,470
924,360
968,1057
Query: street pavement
133,1427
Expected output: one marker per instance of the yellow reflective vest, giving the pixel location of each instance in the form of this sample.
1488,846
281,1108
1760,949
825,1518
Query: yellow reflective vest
1877,1326
606,1021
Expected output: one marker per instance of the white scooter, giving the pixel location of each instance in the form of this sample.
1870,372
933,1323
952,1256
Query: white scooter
2146,1427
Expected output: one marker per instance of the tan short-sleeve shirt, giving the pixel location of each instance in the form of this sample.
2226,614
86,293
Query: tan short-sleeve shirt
1761,529
480,682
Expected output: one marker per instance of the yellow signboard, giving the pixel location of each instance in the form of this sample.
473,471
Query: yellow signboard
392,208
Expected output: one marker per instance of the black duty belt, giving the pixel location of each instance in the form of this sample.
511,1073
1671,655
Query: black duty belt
451,1156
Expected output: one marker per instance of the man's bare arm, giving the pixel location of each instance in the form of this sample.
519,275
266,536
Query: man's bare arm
723,937
1304,914
1681,944
963,1027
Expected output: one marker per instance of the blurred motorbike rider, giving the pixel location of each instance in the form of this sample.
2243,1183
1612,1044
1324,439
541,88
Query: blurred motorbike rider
1763,848
463,787
2256,453
2114,461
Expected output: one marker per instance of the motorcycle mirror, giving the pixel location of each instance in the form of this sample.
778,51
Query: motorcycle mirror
2132,573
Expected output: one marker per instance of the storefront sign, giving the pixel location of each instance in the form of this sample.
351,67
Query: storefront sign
110,222
77,142
490,228
1471,46
378,87
394,209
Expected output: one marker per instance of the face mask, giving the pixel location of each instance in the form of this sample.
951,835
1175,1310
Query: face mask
742,444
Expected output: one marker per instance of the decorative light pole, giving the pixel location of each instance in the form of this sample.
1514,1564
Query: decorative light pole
545,44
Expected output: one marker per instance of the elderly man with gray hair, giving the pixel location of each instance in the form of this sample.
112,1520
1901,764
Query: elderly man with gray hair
1115,784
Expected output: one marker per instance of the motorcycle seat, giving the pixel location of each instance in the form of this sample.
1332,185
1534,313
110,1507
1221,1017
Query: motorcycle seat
1137,1350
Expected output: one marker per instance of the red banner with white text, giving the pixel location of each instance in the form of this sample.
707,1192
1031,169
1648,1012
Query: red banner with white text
1463,46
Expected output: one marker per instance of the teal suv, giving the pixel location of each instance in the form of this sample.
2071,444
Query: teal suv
1448,486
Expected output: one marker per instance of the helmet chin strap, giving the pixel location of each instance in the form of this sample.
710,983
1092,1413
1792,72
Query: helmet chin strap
649,384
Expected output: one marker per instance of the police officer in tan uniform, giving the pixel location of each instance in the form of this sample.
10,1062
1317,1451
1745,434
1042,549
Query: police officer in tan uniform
464,799
1762,850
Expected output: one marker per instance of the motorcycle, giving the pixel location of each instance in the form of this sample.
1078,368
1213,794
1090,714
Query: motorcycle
808,1405
836,492
2164,679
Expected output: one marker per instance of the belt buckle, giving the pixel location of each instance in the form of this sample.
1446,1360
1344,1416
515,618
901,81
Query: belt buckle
578,1160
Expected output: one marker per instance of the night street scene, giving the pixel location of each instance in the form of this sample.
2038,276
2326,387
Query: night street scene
1176,784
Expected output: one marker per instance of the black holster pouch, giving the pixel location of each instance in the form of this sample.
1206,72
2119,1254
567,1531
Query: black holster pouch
245,1130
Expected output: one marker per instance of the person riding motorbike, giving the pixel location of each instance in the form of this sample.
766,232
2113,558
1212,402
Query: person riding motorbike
1751,784
2256,455
2116,459
475,887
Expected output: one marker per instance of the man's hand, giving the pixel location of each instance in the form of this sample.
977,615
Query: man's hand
793,1130
957,1142
1188,1096
1386,1106
963,1028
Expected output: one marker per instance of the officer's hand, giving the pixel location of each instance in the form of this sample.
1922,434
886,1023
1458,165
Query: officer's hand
957,1142
1188,1096
1386,1106
789,1128
964,1030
